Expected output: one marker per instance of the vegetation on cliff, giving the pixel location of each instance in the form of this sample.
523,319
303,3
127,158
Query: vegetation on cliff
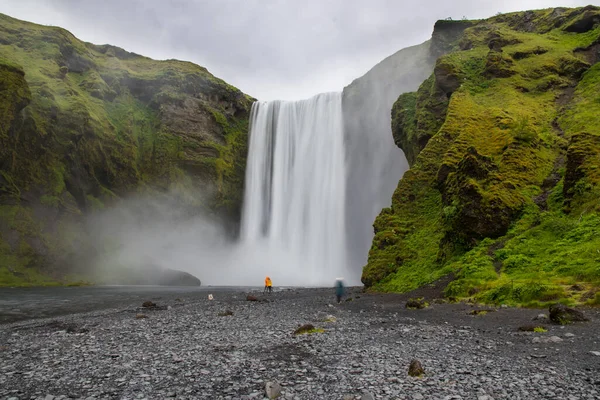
82,126
503,141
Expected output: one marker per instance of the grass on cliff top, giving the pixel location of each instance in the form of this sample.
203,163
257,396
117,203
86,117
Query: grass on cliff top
546,256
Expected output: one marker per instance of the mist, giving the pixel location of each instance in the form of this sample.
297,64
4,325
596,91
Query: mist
142,234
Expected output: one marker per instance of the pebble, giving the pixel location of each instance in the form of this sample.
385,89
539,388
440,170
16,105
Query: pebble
190,352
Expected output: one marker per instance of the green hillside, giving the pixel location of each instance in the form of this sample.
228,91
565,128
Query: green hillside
504,185
82,126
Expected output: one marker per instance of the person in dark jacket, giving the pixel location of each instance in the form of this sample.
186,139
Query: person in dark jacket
339,289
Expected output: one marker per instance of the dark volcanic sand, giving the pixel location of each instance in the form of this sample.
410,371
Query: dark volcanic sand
187,351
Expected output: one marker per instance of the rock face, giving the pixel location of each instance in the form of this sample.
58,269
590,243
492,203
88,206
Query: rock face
502,141
82,126
377,164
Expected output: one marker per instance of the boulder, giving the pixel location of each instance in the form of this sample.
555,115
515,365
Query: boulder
415,368
561,314
273,390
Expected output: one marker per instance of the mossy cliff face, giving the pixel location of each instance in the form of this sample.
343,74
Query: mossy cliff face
503,141
376,164
82,126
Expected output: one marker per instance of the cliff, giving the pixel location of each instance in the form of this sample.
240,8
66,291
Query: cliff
503,141
376,164
83,126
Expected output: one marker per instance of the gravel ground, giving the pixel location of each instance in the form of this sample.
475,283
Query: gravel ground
185,350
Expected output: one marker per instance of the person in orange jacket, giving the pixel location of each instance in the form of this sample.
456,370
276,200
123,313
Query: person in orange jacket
268,285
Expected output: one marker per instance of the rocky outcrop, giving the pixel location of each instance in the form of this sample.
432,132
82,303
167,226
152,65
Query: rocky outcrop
377,164
489,196
83,126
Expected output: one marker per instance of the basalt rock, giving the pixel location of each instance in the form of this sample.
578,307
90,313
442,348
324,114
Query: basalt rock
563,315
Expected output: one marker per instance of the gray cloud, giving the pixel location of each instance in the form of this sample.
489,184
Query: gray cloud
270,49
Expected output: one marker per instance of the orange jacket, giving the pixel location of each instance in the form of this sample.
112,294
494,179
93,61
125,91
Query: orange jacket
268,281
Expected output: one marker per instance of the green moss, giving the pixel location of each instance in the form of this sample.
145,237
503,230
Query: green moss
467,205
82,126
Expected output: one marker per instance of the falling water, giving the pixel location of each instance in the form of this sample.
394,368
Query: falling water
294,202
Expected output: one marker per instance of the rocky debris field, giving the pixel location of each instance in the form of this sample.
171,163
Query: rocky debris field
231,348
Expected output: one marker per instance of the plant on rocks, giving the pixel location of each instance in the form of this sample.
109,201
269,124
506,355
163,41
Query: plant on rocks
417,303
308,329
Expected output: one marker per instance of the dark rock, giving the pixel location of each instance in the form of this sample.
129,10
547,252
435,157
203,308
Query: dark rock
226,313
445,35
148,304
447,78
561,314
251,298
585,22
415,368
140,316
304,329
481,311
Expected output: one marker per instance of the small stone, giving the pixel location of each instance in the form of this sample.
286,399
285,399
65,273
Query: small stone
49,397
540,317
273,390
569,334
367,396
417,396
595,353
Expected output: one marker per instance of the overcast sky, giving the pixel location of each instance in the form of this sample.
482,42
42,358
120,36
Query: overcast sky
270,49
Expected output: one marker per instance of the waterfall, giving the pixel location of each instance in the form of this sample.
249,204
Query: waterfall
294,205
